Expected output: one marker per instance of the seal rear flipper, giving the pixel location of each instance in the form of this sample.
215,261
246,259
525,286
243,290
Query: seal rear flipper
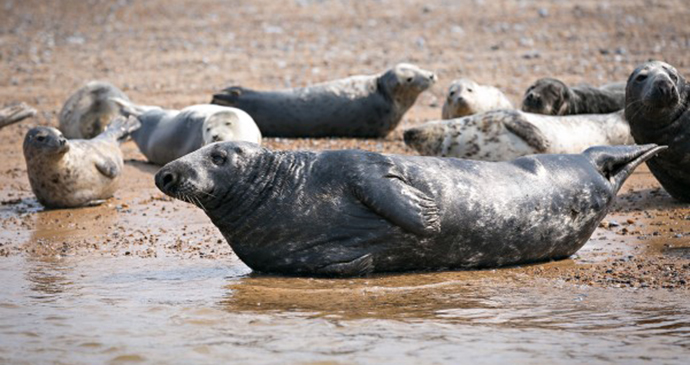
517,124
405,206
617,163
120,128
360,266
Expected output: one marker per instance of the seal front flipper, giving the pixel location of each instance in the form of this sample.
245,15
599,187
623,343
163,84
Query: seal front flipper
394,199
516,123
360,266
108,168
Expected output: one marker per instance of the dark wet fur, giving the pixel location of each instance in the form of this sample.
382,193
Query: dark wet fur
666,125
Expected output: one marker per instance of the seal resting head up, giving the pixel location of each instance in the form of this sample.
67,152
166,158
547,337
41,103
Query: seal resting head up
351,212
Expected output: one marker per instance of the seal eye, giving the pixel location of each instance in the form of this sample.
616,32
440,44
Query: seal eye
673,77
451,93
469,90
218,158
208,129
641,77
409,79
41,138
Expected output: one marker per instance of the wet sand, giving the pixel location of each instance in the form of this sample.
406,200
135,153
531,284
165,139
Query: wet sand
95,284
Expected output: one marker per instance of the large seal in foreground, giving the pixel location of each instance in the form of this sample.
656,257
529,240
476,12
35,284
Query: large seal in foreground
553,97
71,173
169,134
358,106
89,110
466,97
508,134
657,100
346,213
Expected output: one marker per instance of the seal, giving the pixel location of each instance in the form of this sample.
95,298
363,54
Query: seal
72,173
657,99
353,212
466,97
504,135
169,134
15,113
553,97
89,110
358,106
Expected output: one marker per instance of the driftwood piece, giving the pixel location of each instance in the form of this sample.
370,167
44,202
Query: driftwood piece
15,113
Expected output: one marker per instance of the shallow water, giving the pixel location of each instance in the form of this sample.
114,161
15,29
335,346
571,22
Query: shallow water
84,310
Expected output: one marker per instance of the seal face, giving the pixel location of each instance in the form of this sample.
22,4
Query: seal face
553,97
504,135
346,213
358,106
89,110
657,99
169,134
466,97
71,173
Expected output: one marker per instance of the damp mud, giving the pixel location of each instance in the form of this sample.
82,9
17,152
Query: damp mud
144,278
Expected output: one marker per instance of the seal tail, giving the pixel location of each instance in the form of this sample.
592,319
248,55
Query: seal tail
120,128
617,163
228,96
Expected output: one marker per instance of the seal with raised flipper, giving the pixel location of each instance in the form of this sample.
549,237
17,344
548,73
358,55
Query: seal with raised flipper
357,106
352,212
72,173
657,108
466,97
504,135
553,97
87,112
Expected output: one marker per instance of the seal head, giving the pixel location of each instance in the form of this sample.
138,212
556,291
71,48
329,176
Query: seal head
547,96
47,142
655,91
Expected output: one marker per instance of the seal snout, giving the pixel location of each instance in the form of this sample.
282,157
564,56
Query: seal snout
411,136
167,180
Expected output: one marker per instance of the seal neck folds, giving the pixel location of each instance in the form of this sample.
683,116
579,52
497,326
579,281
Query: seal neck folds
272,174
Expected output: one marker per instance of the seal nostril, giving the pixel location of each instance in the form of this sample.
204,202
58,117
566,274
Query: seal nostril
168,179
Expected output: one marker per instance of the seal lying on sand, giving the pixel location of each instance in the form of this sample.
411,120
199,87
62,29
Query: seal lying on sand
89,110
351,212
168,134
466,97
553,97
66,174
657,100
358,106
507,134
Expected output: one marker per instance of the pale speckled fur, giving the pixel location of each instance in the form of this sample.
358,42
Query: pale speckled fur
472,138
476,99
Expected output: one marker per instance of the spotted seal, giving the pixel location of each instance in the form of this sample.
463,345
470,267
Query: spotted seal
503,135
358,106
167,134
71,173
657,108
87,112
553,97
352,212
466,97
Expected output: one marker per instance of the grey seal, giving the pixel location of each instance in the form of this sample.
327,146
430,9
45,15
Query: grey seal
71,173
358,106
504,135
466,97
657,100
167,134
553,97
352,212
87,112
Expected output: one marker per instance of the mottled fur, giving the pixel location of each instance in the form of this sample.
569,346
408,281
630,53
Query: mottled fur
71,173
508,134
